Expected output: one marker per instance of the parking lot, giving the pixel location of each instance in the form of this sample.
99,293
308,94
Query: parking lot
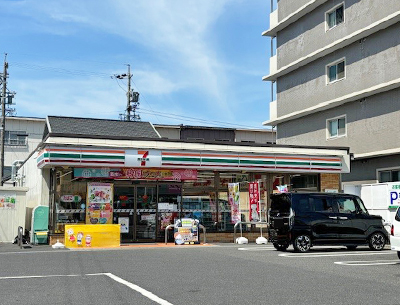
213,274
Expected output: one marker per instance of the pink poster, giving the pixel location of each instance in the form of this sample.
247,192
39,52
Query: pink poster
254,201
233,197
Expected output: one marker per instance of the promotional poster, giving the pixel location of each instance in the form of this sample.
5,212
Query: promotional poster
99,204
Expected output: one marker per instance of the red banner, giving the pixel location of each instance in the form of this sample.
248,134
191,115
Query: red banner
254,201
154,174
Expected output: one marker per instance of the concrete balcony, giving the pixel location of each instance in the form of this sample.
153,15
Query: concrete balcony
273,111
273,65
273,19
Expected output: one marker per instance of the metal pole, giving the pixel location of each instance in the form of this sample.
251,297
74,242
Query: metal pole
128,94
3,118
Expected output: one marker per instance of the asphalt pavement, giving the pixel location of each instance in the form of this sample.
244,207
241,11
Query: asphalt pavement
205,274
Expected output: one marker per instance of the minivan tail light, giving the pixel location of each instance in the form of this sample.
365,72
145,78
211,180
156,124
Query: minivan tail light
392,230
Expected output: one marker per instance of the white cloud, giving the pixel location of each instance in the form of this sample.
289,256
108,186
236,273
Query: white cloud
177,32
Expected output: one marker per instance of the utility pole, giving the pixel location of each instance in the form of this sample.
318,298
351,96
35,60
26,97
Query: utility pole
3,118
128,94
132,102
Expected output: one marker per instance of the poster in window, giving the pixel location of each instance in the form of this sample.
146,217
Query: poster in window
124,222
7,201
99,209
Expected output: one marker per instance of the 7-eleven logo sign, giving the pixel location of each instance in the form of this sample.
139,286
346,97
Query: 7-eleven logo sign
144,157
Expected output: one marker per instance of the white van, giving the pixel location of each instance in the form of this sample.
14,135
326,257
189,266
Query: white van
395,233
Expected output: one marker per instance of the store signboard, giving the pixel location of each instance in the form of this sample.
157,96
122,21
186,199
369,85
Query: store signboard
136,173
186,231
233,198
7,201
394,195
99,209
143,158
254,201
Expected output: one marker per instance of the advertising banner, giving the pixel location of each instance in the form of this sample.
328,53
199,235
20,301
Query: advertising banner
394,195
99,203
7,201
92,236
254,201
233,198
137,173
186,231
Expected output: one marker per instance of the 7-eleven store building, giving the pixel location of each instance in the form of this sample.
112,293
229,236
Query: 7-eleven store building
148,183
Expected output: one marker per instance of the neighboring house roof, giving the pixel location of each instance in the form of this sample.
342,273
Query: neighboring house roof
87,127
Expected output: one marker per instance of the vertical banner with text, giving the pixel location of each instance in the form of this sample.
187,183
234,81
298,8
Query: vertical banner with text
254,201
233,198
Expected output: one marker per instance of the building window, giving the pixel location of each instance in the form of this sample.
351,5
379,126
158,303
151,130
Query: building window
336,127
389,175
336,71
15,138
335,16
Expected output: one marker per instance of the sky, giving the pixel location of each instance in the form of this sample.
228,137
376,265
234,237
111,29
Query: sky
193,62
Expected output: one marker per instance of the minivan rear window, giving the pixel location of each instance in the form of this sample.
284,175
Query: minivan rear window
303,203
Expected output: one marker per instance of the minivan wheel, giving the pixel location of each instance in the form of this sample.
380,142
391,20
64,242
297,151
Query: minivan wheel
377,241
281,247
302,243
398,254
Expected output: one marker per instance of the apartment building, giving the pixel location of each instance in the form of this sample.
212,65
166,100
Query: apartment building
219,134
22,136
335,80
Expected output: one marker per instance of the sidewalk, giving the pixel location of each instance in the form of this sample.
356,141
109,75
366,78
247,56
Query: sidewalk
9,247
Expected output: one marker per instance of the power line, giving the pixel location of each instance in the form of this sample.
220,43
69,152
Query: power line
60,70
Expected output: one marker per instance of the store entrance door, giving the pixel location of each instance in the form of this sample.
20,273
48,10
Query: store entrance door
146,212
135,209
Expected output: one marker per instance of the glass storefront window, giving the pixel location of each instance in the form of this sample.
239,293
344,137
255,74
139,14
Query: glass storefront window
169,199
201,207
70,200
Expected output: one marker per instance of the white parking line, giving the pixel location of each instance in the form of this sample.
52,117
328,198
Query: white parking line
142,291
305,255
257,249
368,263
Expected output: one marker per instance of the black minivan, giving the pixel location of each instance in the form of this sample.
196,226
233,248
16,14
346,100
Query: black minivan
307,219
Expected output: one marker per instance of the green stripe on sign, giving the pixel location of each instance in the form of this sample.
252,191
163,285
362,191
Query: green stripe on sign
256,162
181,159
220,160
103,157
70,156
292,163
326,164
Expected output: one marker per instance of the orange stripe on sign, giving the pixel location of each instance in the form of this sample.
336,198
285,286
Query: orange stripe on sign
87,150
180,154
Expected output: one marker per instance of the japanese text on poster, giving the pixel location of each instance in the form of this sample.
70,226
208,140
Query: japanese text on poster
254,201
99,203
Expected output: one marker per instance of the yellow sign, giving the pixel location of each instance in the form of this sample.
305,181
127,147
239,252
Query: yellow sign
92,236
